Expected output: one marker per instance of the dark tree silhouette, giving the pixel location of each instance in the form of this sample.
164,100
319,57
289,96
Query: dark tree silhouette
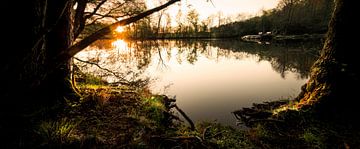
334,83
36,68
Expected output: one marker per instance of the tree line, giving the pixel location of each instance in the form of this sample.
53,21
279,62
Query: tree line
289,17
188,25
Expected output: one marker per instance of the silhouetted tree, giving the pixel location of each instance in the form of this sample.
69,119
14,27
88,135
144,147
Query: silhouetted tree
334,83
35,73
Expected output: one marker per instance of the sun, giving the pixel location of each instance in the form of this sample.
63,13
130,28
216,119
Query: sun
119,29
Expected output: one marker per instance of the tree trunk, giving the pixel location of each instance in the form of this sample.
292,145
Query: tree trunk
32,83
334,81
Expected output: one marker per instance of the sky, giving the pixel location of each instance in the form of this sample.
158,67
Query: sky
227,7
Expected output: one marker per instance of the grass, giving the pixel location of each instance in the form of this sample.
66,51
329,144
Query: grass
89,79
154,107
60,131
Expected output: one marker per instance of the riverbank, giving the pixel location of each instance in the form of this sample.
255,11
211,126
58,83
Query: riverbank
281,124
283,38
267,38
126,116
129,116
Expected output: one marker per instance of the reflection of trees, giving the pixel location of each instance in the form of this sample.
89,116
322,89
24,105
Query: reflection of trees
284,58
102,44
193,53
141,55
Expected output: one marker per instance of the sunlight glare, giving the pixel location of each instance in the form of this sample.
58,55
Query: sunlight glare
121,45
119,29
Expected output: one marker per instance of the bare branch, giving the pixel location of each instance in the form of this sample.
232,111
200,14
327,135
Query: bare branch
192,126
95,20
70,52
79,20
211,2
104,15
102,68
110,16
95,9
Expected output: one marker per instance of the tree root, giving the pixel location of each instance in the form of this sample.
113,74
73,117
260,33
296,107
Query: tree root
259,113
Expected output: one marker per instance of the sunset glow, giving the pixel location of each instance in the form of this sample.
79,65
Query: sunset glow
120,45
226,7
119,29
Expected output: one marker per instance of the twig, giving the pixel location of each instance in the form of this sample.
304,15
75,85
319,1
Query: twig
205,131
211,2
105,69
192,126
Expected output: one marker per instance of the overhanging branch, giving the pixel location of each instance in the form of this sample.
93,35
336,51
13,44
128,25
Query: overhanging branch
70,52
95,9
105,69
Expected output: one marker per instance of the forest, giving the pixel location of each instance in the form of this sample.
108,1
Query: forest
50,98
291,17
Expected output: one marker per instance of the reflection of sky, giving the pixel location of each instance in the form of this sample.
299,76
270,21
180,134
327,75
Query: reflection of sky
218,82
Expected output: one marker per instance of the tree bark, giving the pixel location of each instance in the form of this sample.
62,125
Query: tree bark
32,85
334,81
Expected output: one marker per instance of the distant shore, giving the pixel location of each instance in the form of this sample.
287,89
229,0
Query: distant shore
283,38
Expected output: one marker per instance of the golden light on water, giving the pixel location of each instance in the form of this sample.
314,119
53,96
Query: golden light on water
119,29
120,45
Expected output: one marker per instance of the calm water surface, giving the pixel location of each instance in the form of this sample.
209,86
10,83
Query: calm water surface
210,78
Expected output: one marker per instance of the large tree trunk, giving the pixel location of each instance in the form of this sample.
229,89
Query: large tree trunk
334,83
33,80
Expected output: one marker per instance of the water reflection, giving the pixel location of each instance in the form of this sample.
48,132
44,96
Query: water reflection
284,58
210,78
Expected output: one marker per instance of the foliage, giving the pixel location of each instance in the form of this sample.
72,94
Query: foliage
188,26
58,132
154,107
290,17
193,20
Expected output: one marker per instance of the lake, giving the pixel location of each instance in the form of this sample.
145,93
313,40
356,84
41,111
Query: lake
210,78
